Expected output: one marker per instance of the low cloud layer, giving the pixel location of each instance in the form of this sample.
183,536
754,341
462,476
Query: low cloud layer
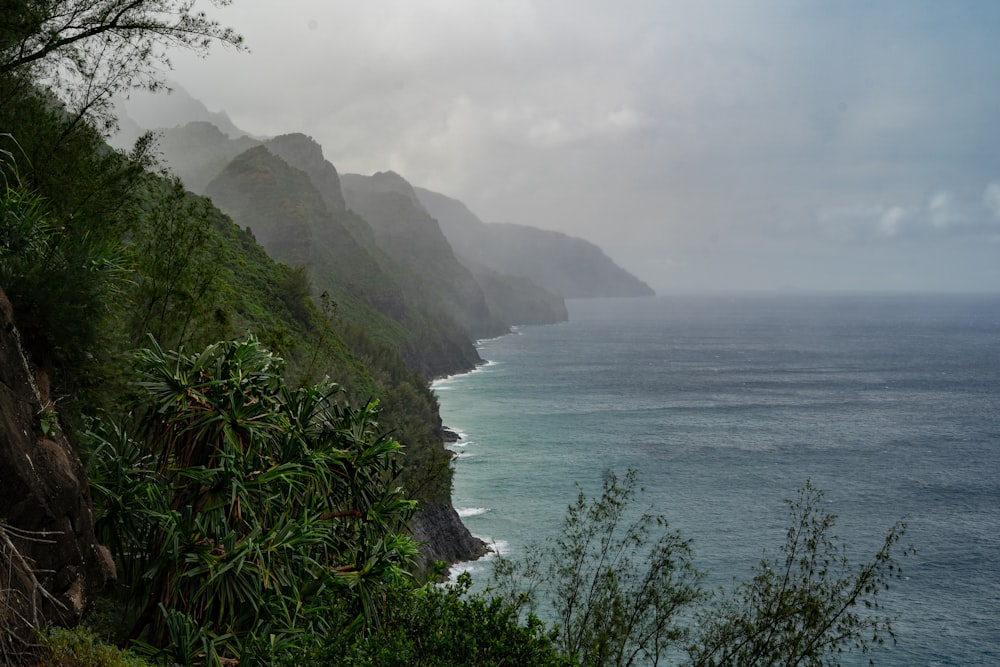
710,145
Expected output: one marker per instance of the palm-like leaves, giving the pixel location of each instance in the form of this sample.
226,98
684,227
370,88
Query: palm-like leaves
249,502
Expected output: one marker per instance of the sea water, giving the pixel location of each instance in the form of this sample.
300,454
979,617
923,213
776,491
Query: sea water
726,405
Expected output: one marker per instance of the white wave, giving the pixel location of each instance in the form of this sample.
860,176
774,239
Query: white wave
445,382
496,547
472,567
471,511
478,568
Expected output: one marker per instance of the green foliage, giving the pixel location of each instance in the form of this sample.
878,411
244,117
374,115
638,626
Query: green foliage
807,606
625,593
80,647
60,278
176,252
241,508
442,626
618,583
87,51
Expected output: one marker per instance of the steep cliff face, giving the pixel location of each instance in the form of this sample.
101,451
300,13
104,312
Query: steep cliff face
439,528
303,153
50,562
408,234
260,191
565,265
288,215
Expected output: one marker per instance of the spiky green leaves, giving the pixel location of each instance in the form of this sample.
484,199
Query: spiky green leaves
245,505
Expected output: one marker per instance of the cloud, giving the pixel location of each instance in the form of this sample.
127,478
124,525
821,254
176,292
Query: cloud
991,197
651,128
942,212
891,221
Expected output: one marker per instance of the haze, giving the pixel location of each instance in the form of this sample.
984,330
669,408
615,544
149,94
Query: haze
702,145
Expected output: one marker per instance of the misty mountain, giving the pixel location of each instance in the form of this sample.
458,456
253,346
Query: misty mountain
340,249
196,152
173,109
565,265
408,234
487,302
292,221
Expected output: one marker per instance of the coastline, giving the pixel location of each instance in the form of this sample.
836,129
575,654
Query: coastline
450,435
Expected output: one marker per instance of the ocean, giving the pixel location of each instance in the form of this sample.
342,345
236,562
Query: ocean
726,405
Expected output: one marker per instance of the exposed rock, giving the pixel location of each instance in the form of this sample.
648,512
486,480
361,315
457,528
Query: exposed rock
444,537
50,562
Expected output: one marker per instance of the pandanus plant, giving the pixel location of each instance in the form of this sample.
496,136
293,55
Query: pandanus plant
246,506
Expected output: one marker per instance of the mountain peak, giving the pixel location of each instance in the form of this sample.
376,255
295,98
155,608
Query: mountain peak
383,182
303,152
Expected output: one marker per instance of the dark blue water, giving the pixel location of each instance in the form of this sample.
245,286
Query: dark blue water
727,405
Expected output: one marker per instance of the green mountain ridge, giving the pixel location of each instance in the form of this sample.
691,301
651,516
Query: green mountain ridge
290,218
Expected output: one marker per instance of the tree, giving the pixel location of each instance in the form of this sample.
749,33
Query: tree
807,606
444,626
88,50
624,592
60,279
619,583
176,254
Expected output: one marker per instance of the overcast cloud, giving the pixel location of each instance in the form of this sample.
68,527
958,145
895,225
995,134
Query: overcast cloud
704,145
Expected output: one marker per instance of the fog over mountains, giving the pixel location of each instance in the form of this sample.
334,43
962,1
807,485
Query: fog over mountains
521,271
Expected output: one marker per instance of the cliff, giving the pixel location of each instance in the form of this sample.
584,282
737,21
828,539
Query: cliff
51,565
565,265
291,219
408,234
445,538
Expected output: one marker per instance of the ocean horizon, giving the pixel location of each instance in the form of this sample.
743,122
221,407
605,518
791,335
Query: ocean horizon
726,404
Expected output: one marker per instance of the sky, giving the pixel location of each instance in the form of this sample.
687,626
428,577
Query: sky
709,145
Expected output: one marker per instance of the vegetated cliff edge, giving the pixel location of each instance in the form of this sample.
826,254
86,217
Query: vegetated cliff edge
50,562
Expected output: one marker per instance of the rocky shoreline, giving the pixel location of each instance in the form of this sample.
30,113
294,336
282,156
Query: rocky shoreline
444,537
440,530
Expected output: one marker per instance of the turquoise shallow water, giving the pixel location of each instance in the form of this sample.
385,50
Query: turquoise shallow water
727,404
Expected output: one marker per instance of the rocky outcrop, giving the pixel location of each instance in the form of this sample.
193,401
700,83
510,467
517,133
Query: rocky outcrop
51,565
443,536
